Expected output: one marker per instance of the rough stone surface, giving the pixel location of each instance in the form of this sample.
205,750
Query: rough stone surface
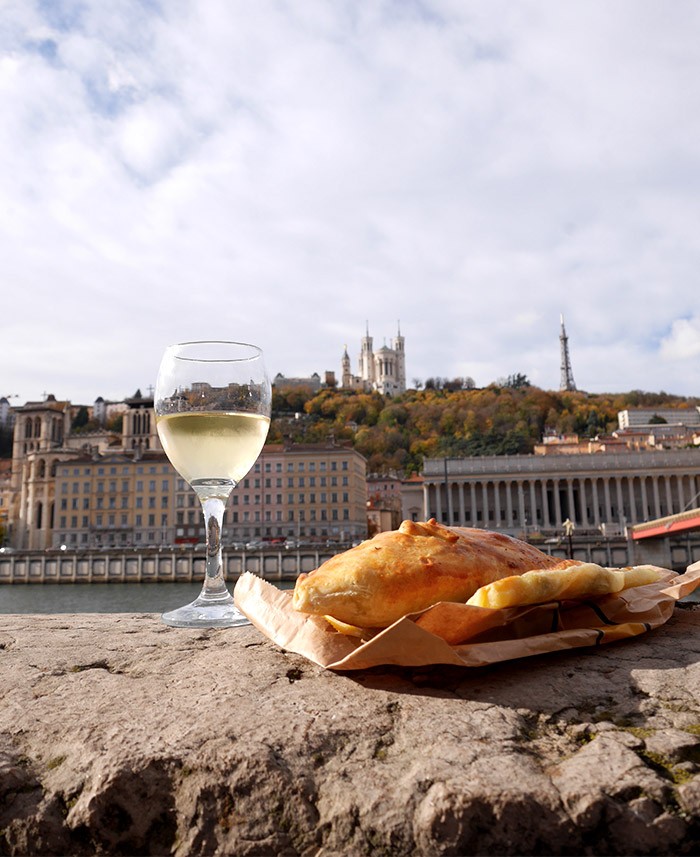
119,735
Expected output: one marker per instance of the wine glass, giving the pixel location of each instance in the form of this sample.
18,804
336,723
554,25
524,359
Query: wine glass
212,407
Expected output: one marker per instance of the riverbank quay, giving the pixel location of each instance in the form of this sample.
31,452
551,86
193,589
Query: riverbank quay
154,566
275,563
119,735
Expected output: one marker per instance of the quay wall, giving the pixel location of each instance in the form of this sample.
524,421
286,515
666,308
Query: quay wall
150,566
130,566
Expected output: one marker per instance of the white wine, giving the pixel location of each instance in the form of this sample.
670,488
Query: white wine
216,445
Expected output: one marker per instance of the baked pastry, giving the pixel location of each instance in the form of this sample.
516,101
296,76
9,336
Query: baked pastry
409,569
556,584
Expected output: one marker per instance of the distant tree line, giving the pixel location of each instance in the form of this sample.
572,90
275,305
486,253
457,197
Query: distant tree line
451,418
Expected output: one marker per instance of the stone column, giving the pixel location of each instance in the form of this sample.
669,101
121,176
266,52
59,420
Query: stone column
633,501
521,505
582,501
509,503
545,505
462,515
596,502
472,496
533,505
438,503
645,499
607,501
681,493
570,495
557,503
669,495
657,502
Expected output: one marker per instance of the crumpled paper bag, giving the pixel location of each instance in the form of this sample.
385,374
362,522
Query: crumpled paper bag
449,633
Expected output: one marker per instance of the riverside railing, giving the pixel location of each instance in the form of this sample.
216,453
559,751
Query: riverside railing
131,566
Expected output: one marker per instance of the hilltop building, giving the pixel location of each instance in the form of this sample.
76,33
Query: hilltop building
383,370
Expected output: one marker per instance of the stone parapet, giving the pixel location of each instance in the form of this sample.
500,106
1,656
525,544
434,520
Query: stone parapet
119,735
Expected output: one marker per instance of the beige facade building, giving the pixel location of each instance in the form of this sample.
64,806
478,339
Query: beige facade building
102,488
302,491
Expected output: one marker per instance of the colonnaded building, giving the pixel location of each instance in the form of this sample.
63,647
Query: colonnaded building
114,486
649,468
523,493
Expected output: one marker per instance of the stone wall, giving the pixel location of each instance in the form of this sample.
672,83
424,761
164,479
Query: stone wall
119,735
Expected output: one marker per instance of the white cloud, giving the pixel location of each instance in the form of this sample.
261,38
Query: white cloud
284,171
683,340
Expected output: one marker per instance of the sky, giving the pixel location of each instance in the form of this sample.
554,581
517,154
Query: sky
293,172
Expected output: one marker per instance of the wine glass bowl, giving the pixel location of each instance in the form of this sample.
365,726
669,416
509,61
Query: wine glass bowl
212,406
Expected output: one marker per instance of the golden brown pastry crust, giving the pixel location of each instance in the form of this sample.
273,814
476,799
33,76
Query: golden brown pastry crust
409,569
556,584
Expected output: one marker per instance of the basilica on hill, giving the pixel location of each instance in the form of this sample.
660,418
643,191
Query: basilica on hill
383,370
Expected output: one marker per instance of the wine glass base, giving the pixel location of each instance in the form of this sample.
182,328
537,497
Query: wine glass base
206,613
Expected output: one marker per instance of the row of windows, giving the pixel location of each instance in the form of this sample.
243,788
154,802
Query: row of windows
112,502
301,516
84,538
113,470
111,521
300,466
125,487
299,482
254,499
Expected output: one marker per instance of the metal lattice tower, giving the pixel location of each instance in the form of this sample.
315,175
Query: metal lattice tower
567,376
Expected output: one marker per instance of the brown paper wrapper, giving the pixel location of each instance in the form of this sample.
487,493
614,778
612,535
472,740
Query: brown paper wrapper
459,634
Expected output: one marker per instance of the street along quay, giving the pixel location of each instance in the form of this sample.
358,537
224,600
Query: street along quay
274,563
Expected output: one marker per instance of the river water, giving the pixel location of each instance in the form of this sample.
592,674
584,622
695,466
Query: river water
100,597
112,597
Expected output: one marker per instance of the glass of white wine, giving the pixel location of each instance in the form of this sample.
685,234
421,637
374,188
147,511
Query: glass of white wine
212,407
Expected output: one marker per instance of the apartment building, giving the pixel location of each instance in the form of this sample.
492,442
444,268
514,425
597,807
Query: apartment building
117,489
302,491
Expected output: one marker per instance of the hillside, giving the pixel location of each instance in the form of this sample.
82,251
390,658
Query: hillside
398,433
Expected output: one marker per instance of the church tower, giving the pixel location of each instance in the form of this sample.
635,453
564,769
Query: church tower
398,346
567,376
346,373
367,359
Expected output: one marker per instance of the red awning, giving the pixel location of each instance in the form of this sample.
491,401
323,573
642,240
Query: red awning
666,526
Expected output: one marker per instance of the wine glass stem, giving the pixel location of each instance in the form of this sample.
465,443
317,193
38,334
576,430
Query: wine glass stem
214,582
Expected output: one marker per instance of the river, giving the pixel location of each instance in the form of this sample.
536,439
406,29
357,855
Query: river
112,597
99,597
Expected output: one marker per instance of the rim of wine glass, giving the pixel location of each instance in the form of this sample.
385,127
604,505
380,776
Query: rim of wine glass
256,348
